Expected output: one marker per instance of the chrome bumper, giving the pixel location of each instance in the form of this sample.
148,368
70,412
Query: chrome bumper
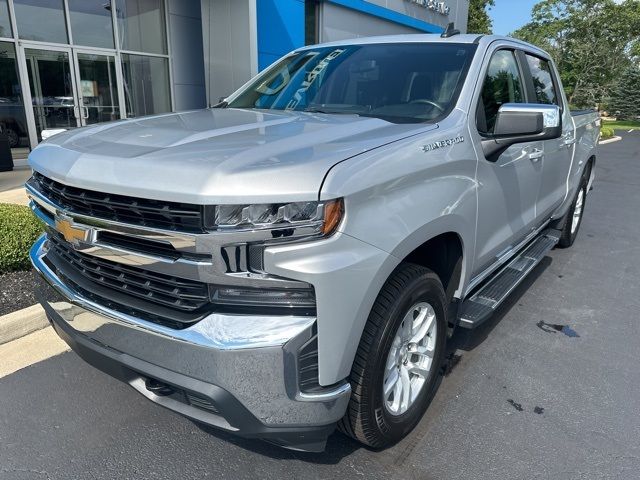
246,365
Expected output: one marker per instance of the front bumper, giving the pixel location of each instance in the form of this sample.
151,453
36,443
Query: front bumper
235,372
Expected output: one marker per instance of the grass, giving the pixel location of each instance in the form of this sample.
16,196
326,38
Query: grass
606,132
621,124
18,230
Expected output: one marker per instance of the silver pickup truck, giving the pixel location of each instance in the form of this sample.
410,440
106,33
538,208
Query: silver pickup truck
296,258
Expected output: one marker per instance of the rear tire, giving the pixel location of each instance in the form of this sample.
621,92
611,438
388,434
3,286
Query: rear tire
574,216
411,306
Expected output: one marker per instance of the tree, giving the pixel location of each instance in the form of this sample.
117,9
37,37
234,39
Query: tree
592,42
625,95
479,20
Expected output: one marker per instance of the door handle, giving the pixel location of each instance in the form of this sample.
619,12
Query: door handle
568,139
85,112
536,155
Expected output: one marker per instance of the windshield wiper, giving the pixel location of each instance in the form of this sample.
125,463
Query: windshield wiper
325,110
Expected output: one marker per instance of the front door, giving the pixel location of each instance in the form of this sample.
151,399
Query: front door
507,187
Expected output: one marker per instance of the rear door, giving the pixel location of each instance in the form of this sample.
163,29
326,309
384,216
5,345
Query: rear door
508,187
545,89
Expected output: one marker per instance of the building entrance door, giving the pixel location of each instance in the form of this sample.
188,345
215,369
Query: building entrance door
70,88
52,89
98,91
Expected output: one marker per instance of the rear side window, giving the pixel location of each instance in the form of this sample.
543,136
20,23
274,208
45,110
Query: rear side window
502,84
542,80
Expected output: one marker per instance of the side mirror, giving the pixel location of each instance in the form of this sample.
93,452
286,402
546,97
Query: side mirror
521,123
222,103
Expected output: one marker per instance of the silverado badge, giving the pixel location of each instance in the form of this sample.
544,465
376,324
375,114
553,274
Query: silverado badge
442,143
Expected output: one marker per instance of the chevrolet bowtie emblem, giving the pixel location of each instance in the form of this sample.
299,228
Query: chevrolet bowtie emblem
73,234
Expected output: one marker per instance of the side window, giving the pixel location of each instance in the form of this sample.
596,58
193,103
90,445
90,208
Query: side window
501,85
542,80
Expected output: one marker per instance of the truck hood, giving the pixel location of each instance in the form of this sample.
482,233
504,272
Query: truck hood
214,156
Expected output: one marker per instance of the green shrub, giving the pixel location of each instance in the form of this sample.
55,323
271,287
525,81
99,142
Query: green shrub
606,132
18,230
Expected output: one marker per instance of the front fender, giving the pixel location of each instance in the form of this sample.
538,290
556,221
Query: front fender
398,197
347,275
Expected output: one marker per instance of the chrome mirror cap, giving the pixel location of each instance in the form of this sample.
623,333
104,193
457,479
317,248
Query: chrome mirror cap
550,113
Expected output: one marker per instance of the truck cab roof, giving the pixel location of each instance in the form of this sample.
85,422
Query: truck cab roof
468,38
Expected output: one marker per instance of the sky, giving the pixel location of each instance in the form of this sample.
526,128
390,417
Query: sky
509,15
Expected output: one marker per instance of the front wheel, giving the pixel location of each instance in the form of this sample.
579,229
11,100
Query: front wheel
395,373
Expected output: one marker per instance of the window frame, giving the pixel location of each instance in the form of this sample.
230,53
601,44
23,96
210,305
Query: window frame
529,79
526,91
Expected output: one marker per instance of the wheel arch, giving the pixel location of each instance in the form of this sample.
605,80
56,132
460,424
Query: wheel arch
443,255
443,246
590,170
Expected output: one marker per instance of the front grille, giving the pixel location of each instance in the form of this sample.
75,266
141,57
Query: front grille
176,216
156,297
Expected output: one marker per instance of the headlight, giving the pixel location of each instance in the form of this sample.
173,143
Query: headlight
295,219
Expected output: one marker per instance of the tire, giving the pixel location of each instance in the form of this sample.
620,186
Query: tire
376,419
574,215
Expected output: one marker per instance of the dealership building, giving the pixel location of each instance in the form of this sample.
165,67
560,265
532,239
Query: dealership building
70,63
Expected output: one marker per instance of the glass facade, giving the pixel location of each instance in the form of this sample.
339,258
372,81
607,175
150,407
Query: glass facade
141,26
91,23
41,20
12,117
146,84
5,23
73,68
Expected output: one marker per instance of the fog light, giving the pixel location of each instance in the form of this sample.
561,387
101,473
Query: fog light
271,297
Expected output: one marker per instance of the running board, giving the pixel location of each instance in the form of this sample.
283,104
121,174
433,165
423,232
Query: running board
481,305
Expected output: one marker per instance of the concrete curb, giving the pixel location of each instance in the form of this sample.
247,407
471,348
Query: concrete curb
15,325
16,196
610,140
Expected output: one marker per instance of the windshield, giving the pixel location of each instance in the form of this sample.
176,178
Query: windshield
408,82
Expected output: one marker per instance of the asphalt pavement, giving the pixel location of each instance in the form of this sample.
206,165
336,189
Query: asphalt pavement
549,388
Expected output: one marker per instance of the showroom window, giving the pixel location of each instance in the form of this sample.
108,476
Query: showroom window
12,117
42,20
146,84
141,26
5,23
91,23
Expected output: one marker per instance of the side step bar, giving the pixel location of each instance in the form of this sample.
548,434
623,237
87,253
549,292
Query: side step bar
481,305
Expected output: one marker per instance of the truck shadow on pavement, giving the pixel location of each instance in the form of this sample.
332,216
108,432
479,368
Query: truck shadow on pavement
338,447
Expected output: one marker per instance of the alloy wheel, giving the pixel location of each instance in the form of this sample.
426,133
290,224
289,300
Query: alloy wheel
410,358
